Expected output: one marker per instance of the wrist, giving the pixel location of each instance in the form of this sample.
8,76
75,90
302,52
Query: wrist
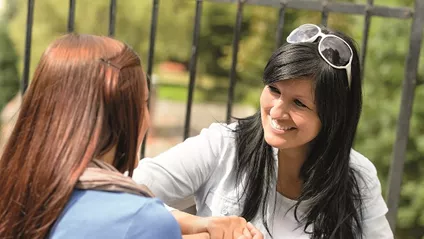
190,224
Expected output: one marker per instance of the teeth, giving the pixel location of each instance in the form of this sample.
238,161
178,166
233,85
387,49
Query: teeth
275,125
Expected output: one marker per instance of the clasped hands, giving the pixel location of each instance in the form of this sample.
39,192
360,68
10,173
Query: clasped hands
225,227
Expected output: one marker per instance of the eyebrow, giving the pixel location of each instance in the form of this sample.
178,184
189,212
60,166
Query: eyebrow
302,97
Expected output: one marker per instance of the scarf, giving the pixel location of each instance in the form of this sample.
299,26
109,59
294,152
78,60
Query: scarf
102,176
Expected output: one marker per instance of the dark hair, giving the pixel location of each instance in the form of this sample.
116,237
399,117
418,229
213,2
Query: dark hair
330,184
87,95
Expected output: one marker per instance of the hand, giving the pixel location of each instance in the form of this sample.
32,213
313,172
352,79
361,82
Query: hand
231,227
203,235
250,232
256,234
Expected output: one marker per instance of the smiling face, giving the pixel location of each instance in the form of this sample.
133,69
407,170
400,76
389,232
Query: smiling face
288,114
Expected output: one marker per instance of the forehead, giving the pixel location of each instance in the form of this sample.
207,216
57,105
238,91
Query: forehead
301,86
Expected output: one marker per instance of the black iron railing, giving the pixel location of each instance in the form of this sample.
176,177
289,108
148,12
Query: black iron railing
325,7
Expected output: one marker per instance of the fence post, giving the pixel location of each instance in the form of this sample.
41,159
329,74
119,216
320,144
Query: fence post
402,134
71,16
150,62
365,36
28,39
112,18
193,65
233,72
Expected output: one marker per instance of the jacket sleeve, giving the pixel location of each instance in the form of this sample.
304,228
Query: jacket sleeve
153,221
375,224
183,169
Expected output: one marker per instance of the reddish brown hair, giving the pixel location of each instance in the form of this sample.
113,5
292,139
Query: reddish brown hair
86,97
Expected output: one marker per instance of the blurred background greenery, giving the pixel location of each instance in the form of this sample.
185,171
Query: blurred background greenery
384,70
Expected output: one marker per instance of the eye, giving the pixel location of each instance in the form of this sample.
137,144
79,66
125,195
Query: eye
300,104
273,89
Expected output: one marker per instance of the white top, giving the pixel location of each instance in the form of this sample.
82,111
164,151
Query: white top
204,166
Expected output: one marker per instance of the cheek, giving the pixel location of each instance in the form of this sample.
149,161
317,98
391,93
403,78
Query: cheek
266,99
314,126
261,99
265,103
309,123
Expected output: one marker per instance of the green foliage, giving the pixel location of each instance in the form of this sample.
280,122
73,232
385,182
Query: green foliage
9,77
388,45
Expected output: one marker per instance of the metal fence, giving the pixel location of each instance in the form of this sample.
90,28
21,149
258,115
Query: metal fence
325,7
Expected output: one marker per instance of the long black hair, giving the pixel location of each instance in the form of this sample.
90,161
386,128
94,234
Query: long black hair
330,184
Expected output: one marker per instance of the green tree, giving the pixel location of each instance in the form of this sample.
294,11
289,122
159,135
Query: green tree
384,70
384,73
133,21
9,77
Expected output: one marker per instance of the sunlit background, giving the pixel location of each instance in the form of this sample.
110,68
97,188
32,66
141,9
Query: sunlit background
388,44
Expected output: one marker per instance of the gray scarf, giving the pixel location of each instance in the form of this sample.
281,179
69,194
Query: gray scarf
102,176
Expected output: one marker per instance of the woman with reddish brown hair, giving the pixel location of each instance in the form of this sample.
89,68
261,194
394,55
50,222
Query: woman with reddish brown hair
80,127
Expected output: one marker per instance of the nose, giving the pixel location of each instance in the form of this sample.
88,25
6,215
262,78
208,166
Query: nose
279,110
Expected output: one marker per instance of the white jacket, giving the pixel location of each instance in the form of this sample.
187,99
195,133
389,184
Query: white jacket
203,166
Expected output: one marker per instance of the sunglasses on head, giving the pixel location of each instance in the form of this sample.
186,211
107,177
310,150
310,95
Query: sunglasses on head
333,49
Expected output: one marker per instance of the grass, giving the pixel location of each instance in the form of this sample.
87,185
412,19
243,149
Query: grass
177,93
174,86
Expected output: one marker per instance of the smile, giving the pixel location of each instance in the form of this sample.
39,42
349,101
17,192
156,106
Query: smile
280,128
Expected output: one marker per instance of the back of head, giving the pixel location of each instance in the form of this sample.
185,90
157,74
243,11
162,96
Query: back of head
87,96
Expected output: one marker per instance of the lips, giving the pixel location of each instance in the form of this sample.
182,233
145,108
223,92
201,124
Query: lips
275,125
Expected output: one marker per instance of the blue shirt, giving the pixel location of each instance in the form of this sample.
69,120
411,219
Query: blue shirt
99,214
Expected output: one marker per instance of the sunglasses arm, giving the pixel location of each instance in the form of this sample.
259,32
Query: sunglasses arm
349,74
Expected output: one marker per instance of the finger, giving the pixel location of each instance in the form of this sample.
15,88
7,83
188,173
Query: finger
247,234
238,232
254,231
203,235
250,226
243,237
232,229
258,236
239,227
217,234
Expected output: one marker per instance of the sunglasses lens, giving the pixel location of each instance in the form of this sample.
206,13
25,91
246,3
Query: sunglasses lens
303,33
335,51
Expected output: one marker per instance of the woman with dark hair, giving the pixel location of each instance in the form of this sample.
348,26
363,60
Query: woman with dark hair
290,168
80,127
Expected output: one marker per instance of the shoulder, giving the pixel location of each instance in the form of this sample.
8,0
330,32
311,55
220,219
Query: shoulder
109,214
153,220
365,173
221,129
374,205
219,136
362,165
125,202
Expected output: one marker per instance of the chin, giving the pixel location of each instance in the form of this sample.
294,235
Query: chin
276,142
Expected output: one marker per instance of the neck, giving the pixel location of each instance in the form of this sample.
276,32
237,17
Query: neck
290,161
109,156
